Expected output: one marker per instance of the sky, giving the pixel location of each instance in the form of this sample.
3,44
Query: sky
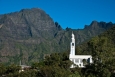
68,13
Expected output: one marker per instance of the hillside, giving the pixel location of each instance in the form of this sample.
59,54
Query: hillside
104,42
30,34
102,49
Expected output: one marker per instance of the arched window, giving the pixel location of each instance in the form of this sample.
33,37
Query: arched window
72,44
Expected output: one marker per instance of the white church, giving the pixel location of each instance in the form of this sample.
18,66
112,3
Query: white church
77,59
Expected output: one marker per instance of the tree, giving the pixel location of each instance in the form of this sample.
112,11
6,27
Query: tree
2,69
13,69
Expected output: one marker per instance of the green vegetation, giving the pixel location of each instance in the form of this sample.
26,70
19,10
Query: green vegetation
102,48
31,34
55,65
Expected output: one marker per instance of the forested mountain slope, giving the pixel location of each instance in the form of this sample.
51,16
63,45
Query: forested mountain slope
102,49
30,34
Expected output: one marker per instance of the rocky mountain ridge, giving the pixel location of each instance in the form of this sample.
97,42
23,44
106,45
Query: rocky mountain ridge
30,34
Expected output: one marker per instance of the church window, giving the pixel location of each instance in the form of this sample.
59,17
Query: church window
79,64
72,44
88,60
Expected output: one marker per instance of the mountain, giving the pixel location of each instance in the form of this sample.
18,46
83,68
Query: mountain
104,41
30,34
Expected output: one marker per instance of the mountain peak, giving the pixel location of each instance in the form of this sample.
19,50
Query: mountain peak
97,25
94,24
33,22
32,10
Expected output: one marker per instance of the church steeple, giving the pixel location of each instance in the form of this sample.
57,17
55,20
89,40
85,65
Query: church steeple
72,45
73,38
77,59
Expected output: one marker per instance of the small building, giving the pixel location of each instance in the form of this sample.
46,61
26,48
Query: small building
78,59
24,67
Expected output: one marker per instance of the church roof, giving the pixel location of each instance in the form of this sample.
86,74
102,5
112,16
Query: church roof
80,56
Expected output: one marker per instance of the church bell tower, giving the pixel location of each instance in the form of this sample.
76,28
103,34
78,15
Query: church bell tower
72,45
